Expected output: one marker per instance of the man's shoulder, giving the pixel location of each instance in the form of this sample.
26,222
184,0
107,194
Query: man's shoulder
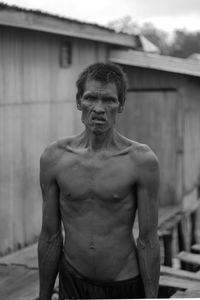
143,156
140,153
55,150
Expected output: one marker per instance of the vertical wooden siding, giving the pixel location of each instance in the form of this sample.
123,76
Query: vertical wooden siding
192,136
37,106
151,118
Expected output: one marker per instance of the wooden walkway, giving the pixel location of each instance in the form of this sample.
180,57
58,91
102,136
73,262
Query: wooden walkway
19,278
19,271
18,283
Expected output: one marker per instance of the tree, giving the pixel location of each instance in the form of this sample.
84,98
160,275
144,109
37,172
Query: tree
157,36
148,30
185,43
125,24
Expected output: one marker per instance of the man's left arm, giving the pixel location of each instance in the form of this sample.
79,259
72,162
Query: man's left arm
148,242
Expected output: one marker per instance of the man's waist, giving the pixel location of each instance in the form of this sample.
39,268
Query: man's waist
68,266
109,263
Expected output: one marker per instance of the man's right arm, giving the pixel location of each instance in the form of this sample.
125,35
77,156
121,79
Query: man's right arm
148,242
50,239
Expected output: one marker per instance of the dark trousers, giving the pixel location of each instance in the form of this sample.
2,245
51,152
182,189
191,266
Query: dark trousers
76,286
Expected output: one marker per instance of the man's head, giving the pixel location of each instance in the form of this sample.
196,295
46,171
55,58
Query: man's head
104,73
100,96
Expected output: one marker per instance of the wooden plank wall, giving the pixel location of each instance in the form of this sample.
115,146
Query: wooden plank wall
191,154
192,135
151,118
144,78
188,124
37,106
154,114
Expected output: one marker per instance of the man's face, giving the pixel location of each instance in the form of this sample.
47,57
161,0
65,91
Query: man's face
99,105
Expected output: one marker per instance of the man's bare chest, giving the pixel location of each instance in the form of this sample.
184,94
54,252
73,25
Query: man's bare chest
102,178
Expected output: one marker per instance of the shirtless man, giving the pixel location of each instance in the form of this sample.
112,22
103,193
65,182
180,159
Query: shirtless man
93,183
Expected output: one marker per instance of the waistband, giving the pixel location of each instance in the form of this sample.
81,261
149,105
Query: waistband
74,272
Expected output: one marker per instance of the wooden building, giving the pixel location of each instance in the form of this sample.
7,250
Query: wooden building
41,56
163,110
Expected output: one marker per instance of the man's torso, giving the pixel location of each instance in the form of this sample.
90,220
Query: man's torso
98,206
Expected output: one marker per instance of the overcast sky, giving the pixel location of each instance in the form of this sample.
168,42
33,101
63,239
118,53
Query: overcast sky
164,14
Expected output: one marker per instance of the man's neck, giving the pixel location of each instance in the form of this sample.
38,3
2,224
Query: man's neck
99,141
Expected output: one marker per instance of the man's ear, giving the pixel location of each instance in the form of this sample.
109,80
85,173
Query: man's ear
78,101
120,108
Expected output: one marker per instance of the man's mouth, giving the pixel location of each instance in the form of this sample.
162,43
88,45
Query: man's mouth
98,119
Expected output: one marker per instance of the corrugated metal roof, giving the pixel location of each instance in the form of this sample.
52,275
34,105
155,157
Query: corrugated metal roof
15,16
155,61
4,6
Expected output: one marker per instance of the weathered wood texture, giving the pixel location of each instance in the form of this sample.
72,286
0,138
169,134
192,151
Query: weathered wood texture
19,277
18,283
191,135
155,117
37,106
175,131
150,117
26,257
190,293
171,278
179,273
145,78
44,22
179,283
195,248
189,257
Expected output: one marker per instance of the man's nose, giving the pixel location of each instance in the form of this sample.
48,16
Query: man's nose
99,107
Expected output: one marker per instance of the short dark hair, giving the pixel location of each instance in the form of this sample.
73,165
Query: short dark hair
105,73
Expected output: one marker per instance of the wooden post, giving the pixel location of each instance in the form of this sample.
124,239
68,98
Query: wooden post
181,238
182,243
193,241
193,218
167,240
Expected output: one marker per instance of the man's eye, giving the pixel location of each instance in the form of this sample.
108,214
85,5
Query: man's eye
111,100
90,98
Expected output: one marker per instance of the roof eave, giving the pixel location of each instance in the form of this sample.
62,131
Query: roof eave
51,24
155,61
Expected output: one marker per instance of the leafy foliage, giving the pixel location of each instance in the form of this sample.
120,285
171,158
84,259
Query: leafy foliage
180,44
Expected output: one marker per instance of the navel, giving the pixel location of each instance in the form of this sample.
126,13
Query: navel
92,247
75,168
116,197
